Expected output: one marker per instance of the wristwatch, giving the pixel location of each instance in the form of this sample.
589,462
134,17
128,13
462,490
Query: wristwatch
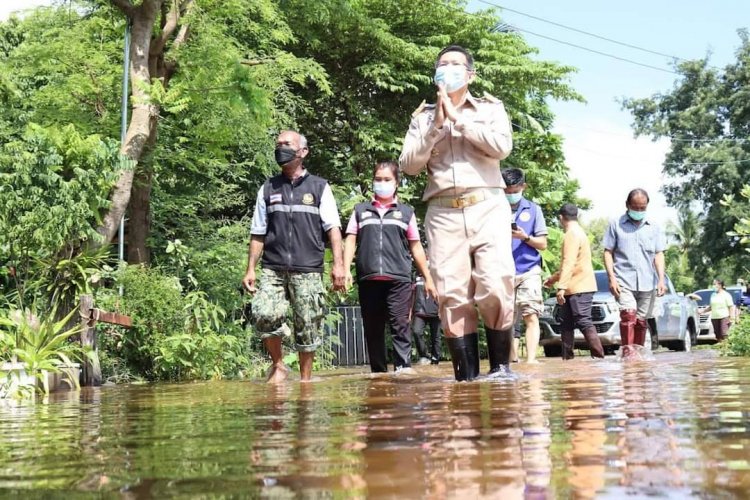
526,239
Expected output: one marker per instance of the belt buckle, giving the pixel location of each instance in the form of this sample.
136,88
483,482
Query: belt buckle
464,201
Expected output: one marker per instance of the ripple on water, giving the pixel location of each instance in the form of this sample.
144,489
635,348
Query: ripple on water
675,427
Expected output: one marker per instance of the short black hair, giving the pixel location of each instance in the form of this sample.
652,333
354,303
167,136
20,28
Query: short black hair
568,211
389,164
513,176
636,192
457,48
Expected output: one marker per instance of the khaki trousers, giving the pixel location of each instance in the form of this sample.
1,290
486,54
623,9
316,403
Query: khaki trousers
471,263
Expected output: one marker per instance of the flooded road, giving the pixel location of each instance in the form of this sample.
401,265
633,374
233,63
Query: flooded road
674,427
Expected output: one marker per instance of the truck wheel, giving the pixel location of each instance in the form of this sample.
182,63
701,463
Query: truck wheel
552,351
686,344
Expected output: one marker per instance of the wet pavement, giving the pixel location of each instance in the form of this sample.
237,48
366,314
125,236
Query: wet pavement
676,426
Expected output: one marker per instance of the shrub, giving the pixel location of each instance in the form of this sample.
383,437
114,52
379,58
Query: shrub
738,342
175,336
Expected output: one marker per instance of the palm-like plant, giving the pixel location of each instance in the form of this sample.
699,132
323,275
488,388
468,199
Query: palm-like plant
41,343
686,234
687,230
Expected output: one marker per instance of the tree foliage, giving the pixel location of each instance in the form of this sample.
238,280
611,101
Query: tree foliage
707,116
212,83
380,58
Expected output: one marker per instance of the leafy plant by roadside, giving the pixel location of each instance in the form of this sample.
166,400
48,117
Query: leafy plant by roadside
738,342
175,336
39,343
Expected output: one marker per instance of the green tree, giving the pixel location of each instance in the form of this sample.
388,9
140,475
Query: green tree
707,117
595,229
188,82
380,55
53,184
683,254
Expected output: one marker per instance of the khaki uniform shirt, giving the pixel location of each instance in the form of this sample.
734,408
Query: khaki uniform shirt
460,156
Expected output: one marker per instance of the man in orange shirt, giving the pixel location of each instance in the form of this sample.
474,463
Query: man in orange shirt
576,285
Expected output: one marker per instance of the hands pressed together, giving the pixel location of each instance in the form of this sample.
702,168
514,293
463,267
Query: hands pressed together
444,108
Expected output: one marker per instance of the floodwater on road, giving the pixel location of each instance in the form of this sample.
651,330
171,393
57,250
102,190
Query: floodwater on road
676,426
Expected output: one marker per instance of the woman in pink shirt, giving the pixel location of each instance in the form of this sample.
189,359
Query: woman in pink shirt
383,235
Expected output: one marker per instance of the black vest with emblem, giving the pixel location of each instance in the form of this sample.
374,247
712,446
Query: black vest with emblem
382,247
295,240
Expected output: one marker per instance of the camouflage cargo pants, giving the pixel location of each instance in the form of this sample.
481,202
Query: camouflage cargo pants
277,290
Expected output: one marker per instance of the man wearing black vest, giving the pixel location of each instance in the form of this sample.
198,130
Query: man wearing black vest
294,211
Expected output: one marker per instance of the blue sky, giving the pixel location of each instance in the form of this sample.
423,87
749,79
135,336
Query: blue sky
599,144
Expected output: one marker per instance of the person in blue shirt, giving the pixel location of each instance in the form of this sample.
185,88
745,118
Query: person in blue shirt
529,233
634,259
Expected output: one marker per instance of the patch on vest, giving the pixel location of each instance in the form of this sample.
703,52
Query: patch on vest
308,199
275,198
366,215
524,216
398,215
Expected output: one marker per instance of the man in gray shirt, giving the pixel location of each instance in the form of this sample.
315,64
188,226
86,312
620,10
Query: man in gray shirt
634,259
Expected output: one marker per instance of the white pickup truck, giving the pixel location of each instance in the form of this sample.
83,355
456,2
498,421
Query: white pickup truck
676,321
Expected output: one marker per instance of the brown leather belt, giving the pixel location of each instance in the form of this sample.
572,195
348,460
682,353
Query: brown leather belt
467,199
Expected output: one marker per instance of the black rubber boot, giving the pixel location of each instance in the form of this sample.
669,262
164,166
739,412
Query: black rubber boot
499,343
595,344
568,343
472,353
460,358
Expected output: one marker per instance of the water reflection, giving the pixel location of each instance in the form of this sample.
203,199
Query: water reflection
675,426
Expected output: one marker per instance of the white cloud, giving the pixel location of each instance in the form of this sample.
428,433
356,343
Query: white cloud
608,162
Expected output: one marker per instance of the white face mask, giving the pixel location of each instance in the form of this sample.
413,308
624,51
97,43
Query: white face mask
384,189
453,76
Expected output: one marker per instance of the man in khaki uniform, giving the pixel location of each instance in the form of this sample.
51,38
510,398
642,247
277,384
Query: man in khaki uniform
461,140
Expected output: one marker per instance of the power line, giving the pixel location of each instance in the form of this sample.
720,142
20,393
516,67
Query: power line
671,138
606,54
671,163
506,28
583,32
611,156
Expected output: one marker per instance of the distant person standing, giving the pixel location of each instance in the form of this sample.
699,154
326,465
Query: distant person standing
722,310
634,258
383,235
576,285
425,315
294,212
529,233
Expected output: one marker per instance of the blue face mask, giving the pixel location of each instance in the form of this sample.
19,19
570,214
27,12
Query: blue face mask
636,215
514,198
452,76
384,189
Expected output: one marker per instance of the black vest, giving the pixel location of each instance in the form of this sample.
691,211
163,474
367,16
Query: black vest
382,247
295,240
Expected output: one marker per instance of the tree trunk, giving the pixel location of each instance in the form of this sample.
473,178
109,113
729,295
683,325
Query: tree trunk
142,20
139,220
146,65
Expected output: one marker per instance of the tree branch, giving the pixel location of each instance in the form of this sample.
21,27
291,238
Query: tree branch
181,36
125,6
173,18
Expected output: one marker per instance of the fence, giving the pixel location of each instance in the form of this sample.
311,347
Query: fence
352,348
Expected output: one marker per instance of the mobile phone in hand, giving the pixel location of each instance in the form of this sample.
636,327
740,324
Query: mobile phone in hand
514,226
